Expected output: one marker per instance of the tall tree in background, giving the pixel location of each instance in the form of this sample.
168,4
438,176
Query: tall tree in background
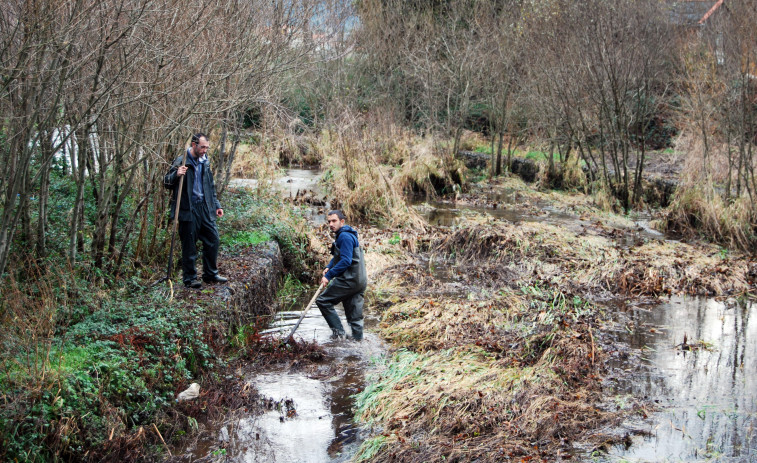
605,71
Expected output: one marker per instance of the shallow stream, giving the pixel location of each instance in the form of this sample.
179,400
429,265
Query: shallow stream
705,392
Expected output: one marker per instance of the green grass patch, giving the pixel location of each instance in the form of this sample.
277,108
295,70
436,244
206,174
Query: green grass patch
290,292
235,240
370,448
251,219
483,149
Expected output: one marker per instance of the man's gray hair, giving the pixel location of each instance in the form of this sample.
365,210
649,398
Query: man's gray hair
337,213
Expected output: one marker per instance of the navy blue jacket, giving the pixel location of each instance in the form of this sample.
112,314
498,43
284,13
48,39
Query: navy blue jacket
344,252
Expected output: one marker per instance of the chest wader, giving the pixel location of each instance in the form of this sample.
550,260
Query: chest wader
349,289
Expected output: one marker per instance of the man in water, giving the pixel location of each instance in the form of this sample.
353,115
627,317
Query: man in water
346,279
197,213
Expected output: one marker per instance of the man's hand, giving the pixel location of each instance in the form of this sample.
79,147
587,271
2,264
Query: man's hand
324,280
181,170
219,212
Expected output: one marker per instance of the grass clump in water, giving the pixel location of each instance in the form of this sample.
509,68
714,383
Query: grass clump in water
486,380
697,210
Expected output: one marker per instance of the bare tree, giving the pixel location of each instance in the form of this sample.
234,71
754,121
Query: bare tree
124,83
604,71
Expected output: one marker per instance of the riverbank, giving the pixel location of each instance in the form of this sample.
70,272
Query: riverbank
92,370
504,318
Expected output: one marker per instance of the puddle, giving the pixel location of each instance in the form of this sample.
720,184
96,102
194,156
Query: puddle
299,180
309,416
309,420
707,396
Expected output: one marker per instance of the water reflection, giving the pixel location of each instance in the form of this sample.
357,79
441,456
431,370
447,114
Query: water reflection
707,395
310,417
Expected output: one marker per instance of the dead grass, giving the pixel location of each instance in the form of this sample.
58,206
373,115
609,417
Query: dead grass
429,170
535,251
659,268
510,369
590,262
698,210
484,381
260,163
361,187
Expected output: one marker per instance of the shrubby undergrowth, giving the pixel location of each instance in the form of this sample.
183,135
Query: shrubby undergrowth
111,372
92,360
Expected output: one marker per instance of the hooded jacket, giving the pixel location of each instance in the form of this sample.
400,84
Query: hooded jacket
171,182
347,262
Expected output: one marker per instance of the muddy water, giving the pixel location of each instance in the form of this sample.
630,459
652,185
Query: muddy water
309,416
290,183
706,391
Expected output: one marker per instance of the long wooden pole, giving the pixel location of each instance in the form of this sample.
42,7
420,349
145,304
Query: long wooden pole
304,312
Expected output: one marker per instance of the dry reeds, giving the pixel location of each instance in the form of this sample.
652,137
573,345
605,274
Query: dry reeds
482,380
698,209
658,268
703,206
258,162
542,252
429,171
535,251
362,186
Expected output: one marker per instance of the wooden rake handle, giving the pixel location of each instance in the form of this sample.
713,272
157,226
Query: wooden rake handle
304,312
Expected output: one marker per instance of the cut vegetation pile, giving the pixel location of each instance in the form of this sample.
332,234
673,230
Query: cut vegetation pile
487,380
534,251
499,354
588,262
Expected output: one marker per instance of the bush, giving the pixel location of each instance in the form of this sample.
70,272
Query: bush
113,371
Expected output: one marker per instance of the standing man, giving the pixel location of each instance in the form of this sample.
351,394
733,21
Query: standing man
197,212
347,277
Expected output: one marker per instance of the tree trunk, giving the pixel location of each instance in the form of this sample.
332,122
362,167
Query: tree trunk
500,142
125,236
492,153
43,197
75,238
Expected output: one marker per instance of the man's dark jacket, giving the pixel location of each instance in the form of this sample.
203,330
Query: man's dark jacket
347,263
171,181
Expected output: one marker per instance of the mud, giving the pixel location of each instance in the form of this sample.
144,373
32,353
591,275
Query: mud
305,407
